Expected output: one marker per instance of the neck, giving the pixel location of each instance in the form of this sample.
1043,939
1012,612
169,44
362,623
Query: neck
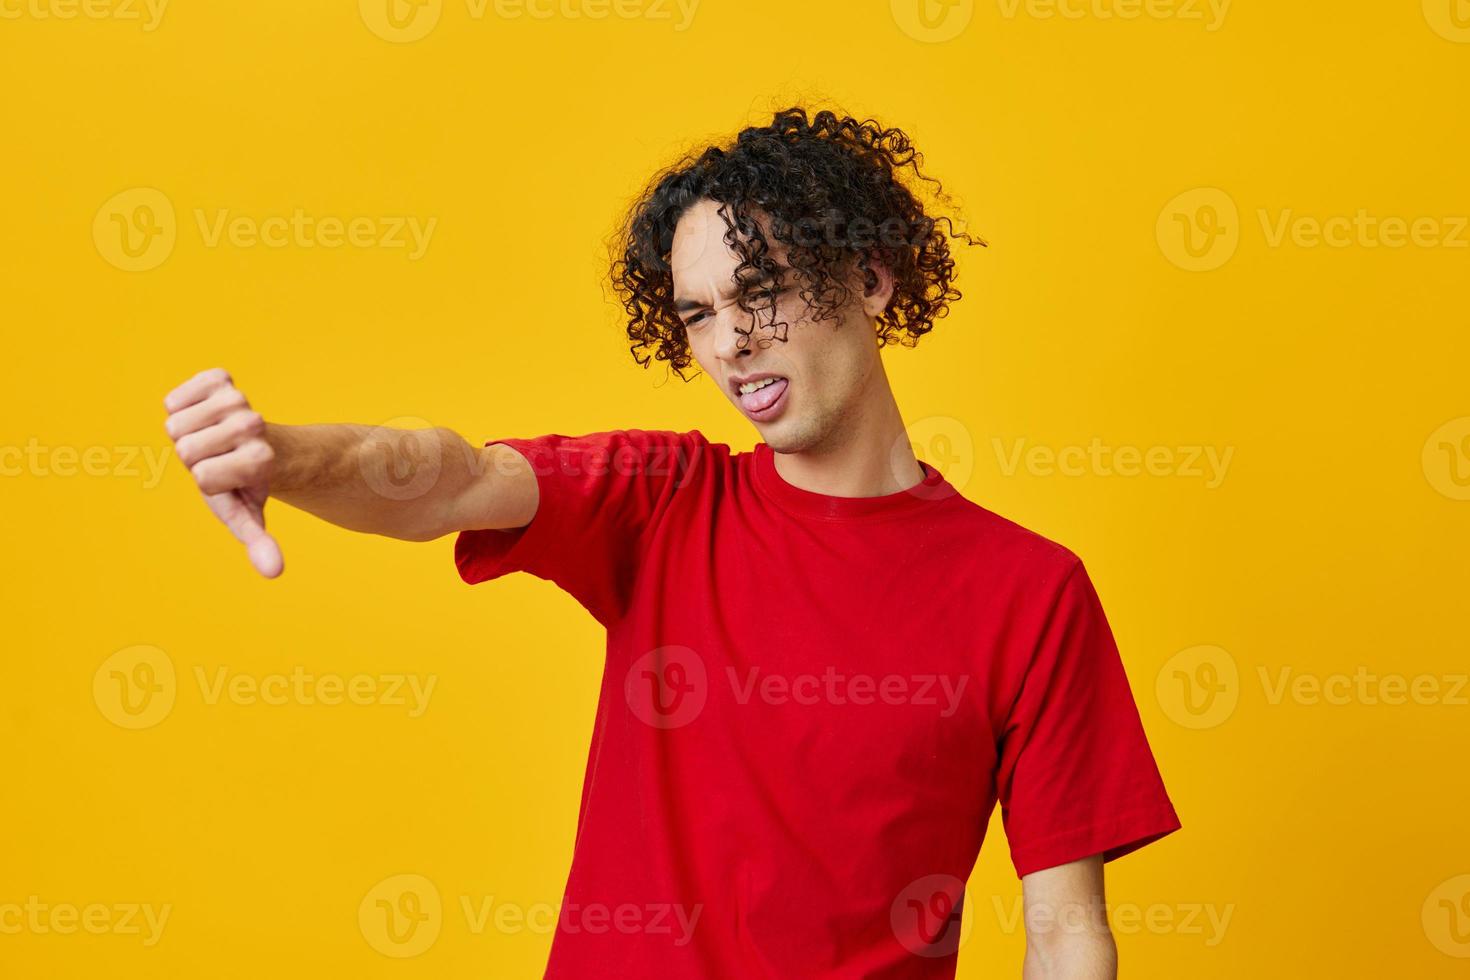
869,455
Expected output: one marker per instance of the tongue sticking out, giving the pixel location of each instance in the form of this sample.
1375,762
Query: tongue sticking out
763,398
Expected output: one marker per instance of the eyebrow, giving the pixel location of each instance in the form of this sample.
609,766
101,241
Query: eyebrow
684,305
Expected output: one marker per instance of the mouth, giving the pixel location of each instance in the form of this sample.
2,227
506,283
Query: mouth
762,397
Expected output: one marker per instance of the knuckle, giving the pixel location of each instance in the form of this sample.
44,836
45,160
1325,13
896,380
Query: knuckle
261,452
250,423
207,477
210,381
257,471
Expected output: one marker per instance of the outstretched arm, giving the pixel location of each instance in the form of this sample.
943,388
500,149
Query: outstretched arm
350,475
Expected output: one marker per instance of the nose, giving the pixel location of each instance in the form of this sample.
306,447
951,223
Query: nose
732,328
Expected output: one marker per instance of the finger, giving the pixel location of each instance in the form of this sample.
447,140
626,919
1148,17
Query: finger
221,402
264,552
219,438
196,389
265,555
246,521
247,465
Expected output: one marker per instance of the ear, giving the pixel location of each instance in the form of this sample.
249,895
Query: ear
878,289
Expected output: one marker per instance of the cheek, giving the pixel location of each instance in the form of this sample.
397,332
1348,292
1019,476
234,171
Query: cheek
837,355
699,343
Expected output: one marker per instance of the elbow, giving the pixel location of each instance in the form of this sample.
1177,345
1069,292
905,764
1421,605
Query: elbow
431,527
1058,954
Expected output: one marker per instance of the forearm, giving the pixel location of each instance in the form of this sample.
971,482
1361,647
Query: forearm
1067,932
1075,956
399,483
416,484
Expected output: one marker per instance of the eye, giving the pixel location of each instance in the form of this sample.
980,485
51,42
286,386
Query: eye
695,319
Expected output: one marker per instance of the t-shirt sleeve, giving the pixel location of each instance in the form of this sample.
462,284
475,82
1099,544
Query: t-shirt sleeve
600,495
1076,776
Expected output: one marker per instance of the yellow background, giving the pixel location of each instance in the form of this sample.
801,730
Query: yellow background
1333,835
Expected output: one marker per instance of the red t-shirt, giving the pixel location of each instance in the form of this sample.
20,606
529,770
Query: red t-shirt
809,709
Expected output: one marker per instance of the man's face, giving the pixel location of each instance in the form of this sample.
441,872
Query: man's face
817,377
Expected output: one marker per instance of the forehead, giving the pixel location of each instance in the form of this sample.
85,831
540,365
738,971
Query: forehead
701,263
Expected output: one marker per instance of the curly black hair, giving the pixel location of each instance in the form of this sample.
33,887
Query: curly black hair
830,188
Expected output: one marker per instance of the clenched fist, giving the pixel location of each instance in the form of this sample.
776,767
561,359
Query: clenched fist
222,441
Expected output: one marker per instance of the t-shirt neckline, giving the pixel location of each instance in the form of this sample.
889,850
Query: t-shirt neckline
808,503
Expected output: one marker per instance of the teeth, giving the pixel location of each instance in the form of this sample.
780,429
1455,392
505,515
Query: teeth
750,386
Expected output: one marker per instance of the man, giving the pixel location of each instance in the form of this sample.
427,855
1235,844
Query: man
824,666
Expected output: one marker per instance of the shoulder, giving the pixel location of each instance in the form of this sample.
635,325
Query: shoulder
628,452
686,440
1012,550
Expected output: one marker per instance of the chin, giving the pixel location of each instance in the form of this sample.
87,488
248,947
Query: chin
781,445
789,435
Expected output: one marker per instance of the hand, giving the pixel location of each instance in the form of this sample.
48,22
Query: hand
222,441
